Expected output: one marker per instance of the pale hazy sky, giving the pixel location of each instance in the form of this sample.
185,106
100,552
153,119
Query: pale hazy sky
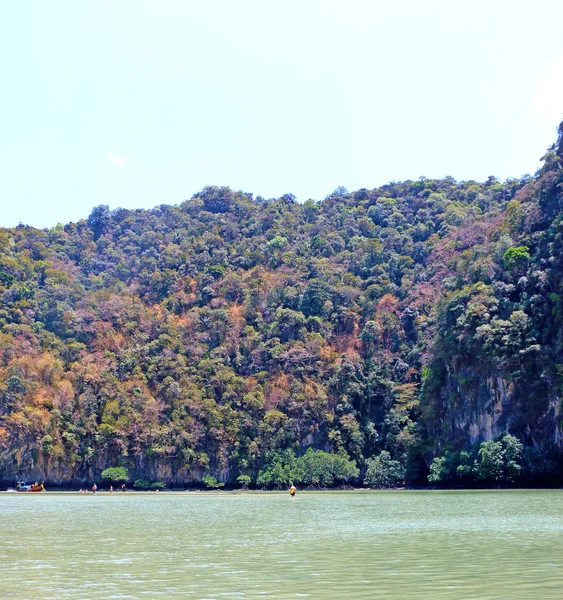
137,103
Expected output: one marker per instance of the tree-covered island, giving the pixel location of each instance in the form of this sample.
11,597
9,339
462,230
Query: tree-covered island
407,335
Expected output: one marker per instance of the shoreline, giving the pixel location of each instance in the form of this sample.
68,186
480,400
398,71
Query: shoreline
63,492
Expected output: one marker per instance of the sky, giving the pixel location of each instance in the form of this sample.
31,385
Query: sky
135,104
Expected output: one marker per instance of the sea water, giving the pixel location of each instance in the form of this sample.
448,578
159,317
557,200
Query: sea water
334,545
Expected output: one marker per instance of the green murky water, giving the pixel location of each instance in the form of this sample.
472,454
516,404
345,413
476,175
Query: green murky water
493,544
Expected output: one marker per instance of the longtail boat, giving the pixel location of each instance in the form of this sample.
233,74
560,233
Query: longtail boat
21,487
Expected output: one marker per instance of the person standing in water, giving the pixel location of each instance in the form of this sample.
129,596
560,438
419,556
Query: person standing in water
292,491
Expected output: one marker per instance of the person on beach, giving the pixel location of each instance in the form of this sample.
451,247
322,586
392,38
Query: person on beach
292,491
94,488
123,488
111,489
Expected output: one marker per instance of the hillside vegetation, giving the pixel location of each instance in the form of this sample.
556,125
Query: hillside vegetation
412,332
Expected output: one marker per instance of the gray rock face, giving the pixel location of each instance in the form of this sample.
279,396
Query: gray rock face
480,409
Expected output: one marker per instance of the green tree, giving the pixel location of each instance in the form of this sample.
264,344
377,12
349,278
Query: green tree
491,461
500,460
99,220
212,483
244,481
115,474
516,257
438,470
383,472
280,470
317,468
512,449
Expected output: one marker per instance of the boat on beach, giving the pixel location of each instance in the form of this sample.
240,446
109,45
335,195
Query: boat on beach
36,487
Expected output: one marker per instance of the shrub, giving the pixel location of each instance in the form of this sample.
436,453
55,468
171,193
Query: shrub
115,474
211,483
144,484
244,481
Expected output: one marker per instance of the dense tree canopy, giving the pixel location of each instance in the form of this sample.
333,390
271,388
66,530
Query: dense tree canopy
223,337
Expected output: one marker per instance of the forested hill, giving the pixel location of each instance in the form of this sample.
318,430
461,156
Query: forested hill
414,329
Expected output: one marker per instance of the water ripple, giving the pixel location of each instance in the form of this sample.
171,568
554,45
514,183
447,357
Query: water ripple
486,545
